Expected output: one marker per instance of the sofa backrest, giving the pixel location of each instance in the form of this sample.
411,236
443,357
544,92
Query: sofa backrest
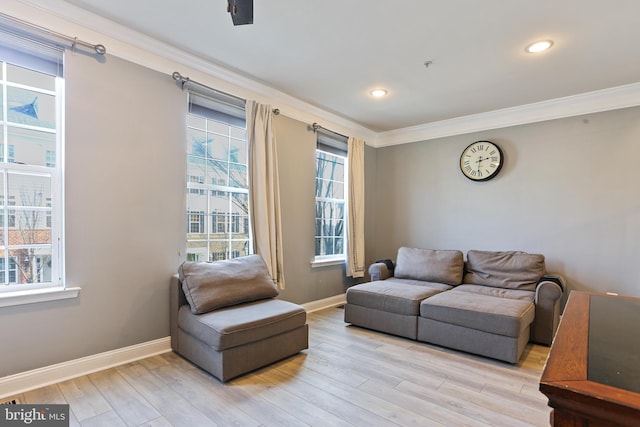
441,266
510,270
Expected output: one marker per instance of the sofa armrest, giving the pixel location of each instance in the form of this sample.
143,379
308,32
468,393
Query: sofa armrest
379,271
549,291
176,300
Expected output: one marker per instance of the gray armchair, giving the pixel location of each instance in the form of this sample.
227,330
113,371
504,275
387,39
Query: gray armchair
224,317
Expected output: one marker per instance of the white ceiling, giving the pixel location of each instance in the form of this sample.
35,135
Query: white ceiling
331,53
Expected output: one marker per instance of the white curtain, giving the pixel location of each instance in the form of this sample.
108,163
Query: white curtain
355,225
264,192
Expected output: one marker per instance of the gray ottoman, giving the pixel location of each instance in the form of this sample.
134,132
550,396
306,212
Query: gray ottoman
482,324
390,306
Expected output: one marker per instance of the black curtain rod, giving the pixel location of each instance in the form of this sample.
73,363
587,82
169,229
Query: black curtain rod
315,126
184,80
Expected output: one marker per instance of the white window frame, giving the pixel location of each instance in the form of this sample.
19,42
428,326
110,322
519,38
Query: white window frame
17,294
212,189
334,259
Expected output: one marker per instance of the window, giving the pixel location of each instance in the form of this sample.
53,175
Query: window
11,214
331,202
12,270
11,153
196,222
31,91
50,161
49,218
217,182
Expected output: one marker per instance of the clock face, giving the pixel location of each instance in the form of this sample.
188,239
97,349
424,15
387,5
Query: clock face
481,161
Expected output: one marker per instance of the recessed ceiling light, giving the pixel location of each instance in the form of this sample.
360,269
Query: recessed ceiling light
378,93
539,46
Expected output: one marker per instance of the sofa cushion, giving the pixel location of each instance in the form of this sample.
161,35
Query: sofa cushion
498,292
243,323
443,266
392,296
511,270
209,286
502,316
433,285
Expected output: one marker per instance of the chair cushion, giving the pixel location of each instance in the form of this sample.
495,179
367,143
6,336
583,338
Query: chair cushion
502,316
443,266
244,323
212,285
392,296
512,270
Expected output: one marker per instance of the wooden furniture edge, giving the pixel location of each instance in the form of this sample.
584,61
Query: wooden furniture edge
564,380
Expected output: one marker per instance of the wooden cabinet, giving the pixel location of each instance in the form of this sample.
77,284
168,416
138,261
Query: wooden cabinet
592,375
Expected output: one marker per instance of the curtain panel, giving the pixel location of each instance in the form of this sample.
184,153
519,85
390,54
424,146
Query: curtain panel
355,225
264,191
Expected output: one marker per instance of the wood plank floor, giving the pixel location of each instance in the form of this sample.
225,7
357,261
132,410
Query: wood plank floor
348,377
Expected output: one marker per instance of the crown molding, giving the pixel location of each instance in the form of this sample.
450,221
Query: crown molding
136,47
133,46
591,102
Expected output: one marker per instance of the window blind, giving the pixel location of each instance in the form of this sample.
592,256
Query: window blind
217,106
24,49
30,47
331,142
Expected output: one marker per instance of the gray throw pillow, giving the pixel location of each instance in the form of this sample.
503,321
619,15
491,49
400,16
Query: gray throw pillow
209,286
441,266
511,270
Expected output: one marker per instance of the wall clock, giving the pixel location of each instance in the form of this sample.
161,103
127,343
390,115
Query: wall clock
481,161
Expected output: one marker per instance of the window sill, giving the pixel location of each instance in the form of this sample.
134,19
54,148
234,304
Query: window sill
327,262
8,299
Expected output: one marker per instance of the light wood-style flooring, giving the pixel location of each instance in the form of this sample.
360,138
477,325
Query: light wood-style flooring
348,377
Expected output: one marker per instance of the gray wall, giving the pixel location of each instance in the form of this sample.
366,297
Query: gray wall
125,169
125,217
568,190
296,163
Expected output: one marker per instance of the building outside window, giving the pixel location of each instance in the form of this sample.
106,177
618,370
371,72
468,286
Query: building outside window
330,205
218,156
30,180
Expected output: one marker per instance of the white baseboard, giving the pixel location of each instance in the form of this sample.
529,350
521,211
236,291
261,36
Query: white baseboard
321,304
41,377
30,380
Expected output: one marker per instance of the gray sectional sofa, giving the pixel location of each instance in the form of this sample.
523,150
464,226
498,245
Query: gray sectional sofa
491,305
